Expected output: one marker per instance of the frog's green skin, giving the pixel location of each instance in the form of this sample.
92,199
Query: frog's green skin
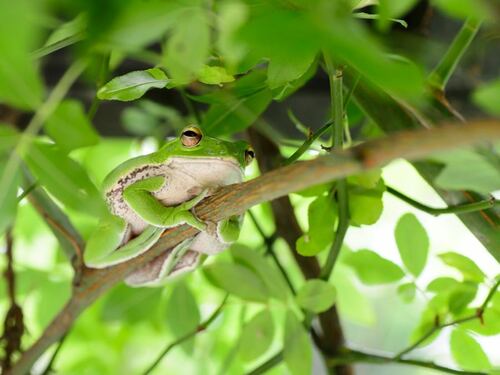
149,193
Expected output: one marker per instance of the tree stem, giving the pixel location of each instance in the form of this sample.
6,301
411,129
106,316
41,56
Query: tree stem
457,209
441,74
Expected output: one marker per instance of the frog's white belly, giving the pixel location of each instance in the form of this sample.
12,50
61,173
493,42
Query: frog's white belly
185,178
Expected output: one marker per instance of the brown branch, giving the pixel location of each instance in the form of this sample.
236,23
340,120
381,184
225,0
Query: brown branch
236,199
13,323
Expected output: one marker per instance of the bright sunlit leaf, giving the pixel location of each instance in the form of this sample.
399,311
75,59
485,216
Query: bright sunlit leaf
297,350
182,313
372,269
257,336
316,295
466,266
237,280
413,243
467,352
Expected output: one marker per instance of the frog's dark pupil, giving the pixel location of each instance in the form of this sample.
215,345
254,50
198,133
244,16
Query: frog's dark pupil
190,133
250,153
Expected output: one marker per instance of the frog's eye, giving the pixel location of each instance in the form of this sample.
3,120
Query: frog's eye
249,155
191,136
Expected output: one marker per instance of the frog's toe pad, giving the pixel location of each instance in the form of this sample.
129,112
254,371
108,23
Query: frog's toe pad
211,228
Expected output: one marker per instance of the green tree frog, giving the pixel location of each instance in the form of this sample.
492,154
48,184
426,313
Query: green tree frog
149,193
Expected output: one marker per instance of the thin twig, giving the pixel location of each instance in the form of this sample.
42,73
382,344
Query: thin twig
269,242
200,328
52,360
337,108
307,143
355,356
27,191
456,209
268,364
438,326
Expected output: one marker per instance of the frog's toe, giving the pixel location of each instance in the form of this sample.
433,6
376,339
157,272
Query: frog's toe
211,228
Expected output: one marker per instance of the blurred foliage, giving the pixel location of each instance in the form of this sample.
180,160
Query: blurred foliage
230,60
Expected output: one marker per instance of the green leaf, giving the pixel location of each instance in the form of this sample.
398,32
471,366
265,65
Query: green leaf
283,92
467,353
368,180
129,304
64,178
407,292
69,30
316,295
138,122
214,75
486,96
70,128
353,304
461,296
8,194
182,313
20,83
280,72
315,190
413,243
442,284
297,350
133,85
322,217
439,304
188,47
292,43
489,325
136,24
238,280
260,266
467,170
372,269
231,16
9,137
238,106
365,205
257,336
389,9
466,266
465,8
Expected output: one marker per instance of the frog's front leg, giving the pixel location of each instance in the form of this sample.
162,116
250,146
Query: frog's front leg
140,199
